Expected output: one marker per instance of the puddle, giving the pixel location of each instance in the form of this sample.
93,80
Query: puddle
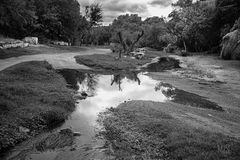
186,98
162,64
94,92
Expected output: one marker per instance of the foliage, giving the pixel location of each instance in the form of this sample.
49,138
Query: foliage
127,31
17,17
99,36
200,27
94,14
47,19
154,28
189,23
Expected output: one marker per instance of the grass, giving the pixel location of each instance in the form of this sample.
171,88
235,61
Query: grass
43,49
34,97
136,130
110,61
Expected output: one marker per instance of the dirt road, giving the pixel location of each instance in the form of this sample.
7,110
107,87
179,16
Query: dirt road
58,61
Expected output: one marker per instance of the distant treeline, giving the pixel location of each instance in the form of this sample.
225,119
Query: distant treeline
47,19
192,26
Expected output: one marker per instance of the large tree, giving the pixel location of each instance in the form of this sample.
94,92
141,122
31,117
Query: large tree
188,21
47,19
17,17
127,30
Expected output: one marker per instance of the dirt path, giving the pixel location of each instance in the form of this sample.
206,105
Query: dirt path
63,60
215,79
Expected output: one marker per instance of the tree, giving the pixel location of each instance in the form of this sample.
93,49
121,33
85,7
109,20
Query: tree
17,17
47,19
189,22
154,28
101,35
127,31
93,15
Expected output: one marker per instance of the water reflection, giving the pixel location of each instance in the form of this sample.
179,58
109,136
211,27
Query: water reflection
186,98
117,78
96,92
111,90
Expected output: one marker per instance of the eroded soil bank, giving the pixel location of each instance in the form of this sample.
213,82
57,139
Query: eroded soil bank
146,130
33,98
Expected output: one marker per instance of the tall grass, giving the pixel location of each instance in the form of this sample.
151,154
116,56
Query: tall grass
32,96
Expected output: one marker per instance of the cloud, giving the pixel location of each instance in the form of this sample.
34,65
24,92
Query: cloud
161,3
145,8
124,6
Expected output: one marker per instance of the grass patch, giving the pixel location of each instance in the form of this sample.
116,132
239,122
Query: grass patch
110,62
43,49
32,96
137,130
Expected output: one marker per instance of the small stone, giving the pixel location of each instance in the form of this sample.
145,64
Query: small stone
77,134
73,149
23,129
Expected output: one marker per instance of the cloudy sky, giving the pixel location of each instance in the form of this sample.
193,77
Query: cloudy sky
145,8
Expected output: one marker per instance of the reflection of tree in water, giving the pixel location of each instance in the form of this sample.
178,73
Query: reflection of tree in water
72,77
186,98
117,78
168,90
79,81
88,84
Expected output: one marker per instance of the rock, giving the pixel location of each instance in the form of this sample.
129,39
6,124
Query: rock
66,131
12,44
138,54
76,134
31,40
23,129
60,43
231,45
84,94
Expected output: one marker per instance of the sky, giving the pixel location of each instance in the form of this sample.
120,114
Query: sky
144,8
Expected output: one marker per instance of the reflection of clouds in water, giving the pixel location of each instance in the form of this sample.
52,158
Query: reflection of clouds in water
109,96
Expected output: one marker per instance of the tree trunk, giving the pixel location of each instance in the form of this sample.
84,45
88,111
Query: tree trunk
120,55
185,47
122,42
135,42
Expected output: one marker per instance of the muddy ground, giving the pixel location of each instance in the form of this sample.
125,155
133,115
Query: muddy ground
205,107
200,120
